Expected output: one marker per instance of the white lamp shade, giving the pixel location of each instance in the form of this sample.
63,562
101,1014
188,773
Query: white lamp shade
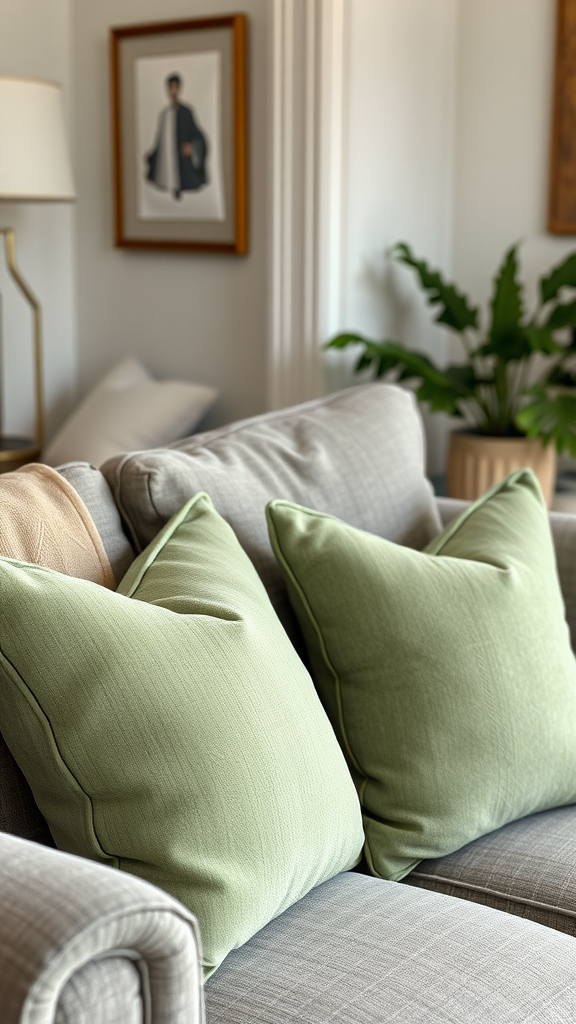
34,159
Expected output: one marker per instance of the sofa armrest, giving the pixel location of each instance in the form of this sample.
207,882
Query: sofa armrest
563,528
564,533
80,941
449,508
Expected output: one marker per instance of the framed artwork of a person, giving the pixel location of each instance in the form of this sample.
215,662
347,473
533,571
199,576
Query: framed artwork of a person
177,163
179,134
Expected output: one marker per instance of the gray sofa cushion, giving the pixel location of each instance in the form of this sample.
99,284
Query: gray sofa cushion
359,950
527,868
95,493
357,454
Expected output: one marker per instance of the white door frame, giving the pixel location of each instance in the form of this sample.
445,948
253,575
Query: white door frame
307,189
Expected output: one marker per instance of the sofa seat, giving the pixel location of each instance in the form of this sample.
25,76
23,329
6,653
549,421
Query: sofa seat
527,868
358,950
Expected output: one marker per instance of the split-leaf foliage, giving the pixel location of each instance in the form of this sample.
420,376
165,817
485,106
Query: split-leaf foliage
519,373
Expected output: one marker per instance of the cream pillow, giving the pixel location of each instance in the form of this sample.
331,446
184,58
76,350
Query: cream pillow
45,522
128,411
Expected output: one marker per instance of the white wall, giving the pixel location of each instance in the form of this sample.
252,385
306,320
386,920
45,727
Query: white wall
448,141
200,317
398,171
35,42
503,122
446,145
503,128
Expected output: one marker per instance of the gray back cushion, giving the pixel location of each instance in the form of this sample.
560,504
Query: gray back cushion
96,495
357,454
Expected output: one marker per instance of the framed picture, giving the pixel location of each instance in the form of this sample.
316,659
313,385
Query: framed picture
179,135
562,200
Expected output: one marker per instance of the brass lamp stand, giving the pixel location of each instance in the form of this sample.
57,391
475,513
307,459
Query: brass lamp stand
27,178
17,451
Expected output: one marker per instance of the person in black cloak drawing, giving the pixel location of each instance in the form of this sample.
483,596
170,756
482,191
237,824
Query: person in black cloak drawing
178,161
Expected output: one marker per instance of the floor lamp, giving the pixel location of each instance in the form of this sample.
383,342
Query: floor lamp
34,167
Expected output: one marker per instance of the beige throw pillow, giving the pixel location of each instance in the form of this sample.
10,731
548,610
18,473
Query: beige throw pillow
44,521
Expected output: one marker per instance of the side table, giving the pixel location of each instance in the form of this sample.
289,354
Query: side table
16,452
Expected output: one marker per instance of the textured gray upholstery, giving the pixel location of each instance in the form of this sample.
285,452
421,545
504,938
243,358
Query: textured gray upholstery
96,495
358,950
60,913
527,868
104,992
357,454
449,508
564,533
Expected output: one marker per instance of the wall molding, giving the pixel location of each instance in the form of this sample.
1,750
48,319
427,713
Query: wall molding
307,112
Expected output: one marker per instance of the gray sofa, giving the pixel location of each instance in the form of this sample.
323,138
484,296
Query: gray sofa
486,934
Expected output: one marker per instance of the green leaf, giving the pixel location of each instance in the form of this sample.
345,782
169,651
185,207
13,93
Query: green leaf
415,364
385,355
562,276
551,417
455,310
511,347
559,377
440,399
363,363
559,373
506,339
456,383
463,376
442,389
342,340
541,339
563,315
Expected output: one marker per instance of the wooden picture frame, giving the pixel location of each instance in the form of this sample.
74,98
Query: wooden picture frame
179,135
562,195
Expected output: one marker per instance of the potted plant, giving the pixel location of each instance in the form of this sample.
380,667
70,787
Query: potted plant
515,389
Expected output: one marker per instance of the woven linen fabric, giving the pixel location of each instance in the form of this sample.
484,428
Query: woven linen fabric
43,520
62,915
563,529
358,454
447,674
104,992
171,730
94,491
358,950
526,868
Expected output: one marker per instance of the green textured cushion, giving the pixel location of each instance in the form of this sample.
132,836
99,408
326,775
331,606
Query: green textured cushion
171,730
447,674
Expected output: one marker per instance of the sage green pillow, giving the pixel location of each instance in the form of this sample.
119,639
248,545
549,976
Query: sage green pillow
447,674
170,729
